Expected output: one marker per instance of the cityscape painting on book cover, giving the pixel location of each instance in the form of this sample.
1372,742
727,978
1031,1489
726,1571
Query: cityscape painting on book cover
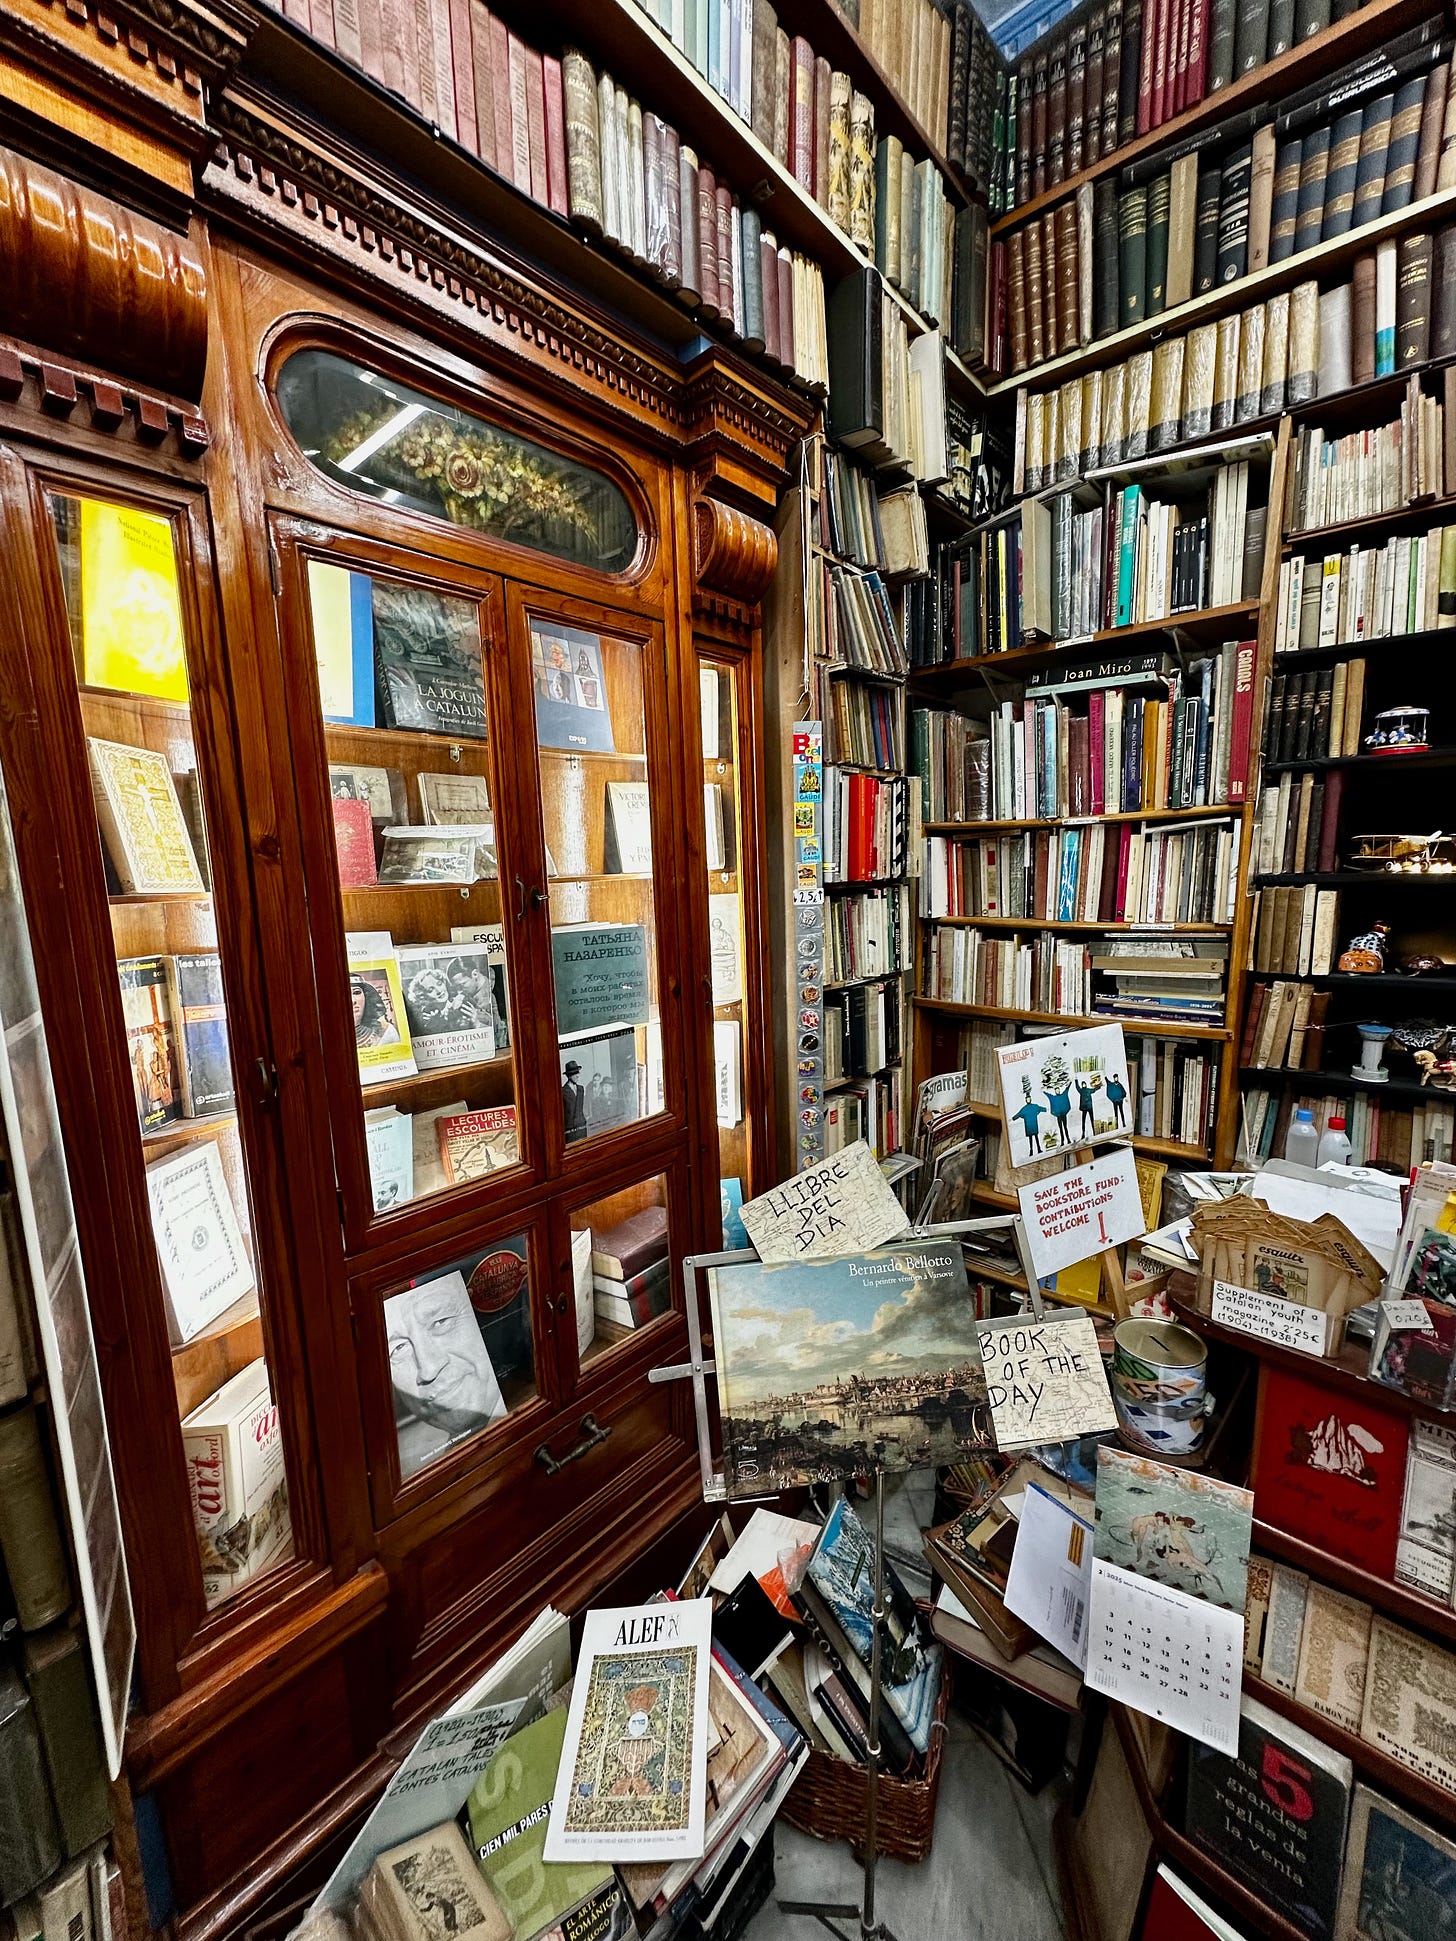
831,1368
1064,1091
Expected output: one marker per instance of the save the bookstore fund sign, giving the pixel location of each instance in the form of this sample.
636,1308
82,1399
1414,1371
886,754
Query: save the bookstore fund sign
1074,1215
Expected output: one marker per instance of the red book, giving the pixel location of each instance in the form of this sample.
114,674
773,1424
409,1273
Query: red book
1175,1913
1329,1467
786,309
768,259
535,87
556,189
500,67
1107,888
708,298
1079,766
1124,844
1242,723
1145,67
354,841
1096,723
462,59
371,38
1165,32
801,112
723,232
1178,56
480,61
1330,820
1198,52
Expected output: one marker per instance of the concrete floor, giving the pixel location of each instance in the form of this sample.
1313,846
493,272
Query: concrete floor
991,1876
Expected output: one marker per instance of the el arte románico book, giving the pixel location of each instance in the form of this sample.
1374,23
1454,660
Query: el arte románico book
1275,1816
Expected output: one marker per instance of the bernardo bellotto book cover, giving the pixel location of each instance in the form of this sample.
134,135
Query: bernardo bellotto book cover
632,1782
835,1367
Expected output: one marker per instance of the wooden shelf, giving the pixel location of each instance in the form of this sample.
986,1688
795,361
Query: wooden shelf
1339,1084
1318,261
1432,1802
1306,61
162,1140
494,1076
1377,980
1200,623
865,977
1136,1027
1318,538
1412,758
1219,811
1346,1371
170,713
1198,456
1425,1613
1093,923
134,899
1344,879
201,1366
341,736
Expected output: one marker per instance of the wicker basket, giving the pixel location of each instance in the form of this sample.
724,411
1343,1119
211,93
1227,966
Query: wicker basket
828,1797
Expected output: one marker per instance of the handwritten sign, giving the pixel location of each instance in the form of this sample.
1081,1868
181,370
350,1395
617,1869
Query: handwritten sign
1406,1316
1072,1216
1285,1323
841,1206
1044,1380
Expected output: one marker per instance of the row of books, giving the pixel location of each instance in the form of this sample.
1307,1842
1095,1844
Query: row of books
1383,468
1302,344
872,1110
1174,980
887,401
863,723
1297,830
177,1037
1294,930
1182,744
851,620
862,1030
1129,66
1175,1084
412,1154
943,610
866,826
1284,1027
951,755
868,934
1314,713
1406,586
1396,1135
1096,873
861,524
1045,973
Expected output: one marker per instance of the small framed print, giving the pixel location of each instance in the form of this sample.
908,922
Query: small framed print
1400,1876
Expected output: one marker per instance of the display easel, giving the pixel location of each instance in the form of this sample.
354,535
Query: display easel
696,1370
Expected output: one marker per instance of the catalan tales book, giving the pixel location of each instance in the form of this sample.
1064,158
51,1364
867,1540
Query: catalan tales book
632,1779
1275,1816
829,1368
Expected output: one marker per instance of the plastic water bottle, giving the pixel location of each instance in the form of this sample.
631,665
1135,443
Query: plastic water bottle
1334,1147
1301,1142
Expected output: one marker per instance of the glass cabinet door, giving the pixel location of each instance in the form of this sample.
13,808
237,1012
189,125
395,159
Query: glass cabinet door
128,609
593,689
719,685
420,983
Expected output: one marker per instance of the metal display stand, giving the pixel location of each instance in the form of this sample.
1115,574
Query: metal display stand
696,1370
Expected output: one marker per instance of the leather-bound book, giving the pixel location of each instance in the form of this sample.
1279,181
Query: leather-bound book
1362,319
1374,147
753,337
710,300
995,310
801,113
1076,98
558,191
1251,37
1302,382
1199,363
1314,162
1281,28
583,142
1129,85
862,171
730,301
1274,377
821,131
1158,78
1086,245
855,324
30,1847
1340,175
1205,231
1105,258
1035,309
1233,214
1443,303
1261,196
1310,17
1039,81
1446,161
1180,32
655,237
1405,141
30,1541
765,34
1068,291
689,291
1050,291
1433,120
1223,19
1093,87
1251,364
1146,63
1132,256
1198,23
960,78
1412,301
888,159
56,1674
768,261
1112,44
788,341
969,308
1057,112
841,91
1156,273
1284,208
1017,301
1024,73
1165,408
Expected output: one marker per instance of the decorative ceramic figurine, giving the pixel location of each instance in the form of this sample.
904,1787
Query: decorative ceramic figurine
1399,731
1372,1044
1365,951
1422,966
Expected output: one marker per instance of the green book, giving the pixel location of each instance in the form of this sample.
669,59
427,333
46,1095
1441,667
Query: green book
601,975
508,1811
1132,251
55,1668
1446,593
1159,198
1127,553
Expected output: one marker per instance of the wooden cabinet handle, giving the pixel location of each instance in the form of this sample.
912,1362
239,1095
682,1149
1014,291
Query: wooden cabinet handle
591,1434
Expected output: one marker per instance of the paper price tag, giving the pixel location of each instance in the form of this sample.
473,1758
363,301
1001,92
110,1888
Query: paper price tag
1285,1323
1408,1317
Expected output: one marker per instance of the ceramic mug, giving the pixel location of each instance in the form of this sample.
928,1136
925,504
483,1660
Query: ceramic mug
1160,1385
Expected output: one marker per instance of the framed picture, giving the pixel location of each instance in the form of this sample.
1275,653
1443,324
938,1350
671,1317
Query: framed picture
1400,1876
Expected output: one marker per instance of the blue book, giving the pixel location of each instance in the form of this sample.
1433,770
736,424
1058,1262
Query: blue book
730,1196
342,607
1067,881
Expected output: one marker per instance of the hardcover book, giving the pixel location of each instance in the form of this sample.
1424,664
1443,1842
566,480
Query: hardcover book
631,1246
599,1088
1275,1816
204,1261
492,935
233,1449
1400,1875
1331,1469
141,820
199,1012
828,1367
354,843
30,1540
473,1144
601,975
1175,1526
632,1778
427,657
571,694
507,1813
151,1042
30,1848
1409,1707
444,1382
449,1002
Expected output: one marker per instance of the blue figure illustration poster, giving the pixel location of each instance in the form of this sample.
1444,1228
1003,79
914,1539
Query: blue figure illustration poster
1064,1091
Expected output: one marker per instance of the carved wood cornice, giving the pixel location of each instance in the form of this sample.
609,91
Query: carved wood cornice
65,390
87,279
733,554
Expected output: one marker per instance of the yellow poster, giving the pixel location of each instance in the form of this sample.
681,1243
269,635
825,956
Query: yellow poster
131,613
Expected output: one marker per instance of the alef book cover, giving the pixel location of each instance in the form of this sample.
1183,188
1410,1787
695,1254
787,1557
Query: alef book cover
1330,1468
832,1368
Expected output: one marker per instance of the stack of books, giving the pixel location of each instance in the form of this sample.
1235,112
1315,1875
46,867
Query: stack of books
1172,980
631,1271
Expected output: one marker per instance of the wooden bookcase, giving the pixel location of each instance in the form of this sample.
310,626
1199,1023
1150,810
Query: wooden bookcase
258,232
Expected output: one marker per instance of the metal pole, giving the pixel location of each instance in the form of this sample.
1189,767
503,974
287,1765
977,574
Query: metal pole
867,1923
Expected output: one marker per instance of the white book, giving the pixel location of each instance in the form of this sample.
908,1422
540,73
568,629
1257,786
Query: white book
389,1145
637,1728
728,1064
205,1265
233,1450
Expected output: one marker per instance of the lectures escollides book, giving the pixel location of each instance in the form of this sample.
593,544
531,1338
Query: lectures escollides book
835,1367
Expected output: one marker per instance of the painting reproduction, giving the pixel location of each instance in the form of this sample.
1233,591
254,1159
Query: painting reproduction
836,1367
1174,1526
1065,1091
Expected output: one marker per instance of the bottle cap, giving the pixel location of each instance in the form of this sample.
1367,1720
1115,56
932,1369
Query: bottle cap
1337,1124
1304,1115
